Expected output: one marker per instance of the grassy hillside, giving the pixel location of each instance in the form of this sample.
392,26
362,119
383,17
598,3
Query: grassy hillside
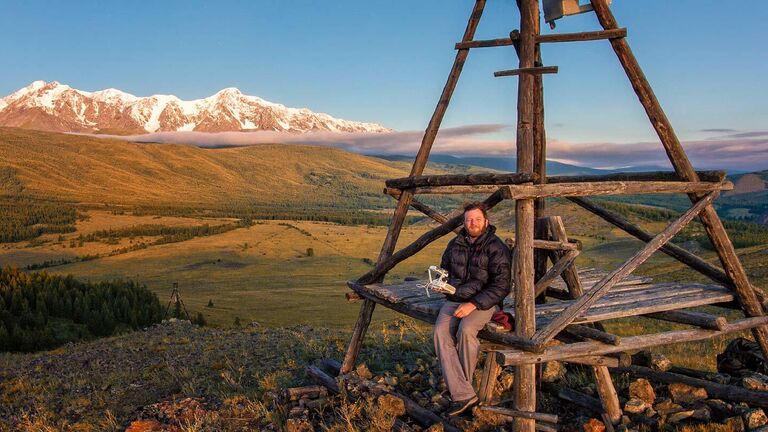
91,170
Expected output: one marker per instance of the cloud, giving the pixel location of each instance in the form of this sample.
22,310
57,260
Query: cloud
715,130
457,140
740,151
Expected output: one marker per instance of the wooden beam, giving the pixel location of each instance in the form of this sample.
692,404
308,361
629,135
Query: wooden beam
705,176
605,188
491,370
427,210
555,271
551,245
628,343
547,418
524,387
607,393
698,319
460,179
601,288
550,38
536,70
583,331
519,178
709,218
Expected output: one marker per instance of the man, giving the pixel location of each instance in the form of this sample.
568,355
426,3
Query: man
478,263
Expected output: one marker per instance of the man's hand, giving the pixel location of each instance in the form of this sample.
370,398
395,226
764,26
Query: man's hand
464,309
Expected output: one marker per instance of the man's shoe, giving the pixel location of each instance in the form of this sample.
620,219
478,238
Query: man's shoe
459,407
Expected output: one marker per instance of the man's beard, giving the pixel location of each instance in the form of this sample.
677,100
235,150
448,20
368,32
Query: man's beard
478,232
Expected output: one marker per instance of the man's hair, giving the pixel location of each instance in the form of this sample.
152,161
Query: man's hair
476,205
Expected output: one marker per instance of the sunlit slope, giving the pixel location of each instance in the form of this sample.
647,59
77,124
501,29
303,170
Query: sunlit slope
87,169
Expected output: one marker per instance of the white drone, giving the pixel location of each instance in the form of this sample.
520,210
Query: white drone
438,281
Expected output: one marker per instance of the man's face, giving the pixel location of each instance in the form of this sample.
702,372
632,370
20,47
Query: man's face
475,223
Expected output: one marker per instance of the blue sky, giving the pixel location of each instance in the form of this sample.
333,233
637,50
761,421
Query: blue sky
386,61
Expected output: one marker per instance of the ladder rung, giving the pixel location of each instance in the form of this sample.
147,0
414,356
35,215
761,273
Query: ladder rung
532,70
550,38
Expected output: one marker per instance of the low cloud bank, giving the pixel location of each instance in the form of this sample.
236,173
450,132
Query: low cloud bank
734,150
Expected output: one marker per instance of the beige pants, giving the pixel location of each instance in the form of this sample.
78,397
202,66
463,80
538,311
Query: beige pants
457,347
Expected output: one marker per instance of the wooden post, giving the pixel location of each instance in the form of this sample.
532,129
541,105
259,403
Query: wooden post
709,218
366,309
525,320
607,392
491,370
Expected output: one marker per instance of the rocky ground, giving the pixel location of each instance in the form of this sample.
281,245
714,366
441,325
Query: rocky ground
179,377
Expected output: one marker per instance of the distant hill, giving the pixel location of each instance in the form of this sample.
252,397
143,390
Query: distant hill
506,164
92,170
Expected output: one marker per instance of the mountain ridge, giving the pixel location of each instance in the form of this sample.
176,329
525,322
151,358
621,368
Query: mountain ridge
56,107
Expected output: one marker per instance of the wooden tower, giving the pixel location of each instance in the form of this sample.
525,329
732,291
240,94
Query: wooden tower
575,319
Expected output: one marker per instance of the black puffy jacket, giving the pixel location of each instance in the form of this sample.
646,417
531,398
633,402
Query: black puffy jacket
479,271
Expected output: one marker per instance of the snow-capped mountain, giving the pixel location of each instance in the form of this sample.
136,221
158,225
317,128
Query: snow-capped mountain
57,107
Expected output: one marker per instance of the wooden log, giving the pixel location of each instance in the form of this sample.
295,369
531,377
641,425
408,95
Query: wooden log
628,343
310,392
544,417
550,38
330,366
491,371
663,176
423,241
358,334
608,396
569,245
698,319
709,218
612,360
539,141
594,334
460,180
536,70
539,255
581,400
590,189
322,378
714,390
601,288
427,210
555,271
524,387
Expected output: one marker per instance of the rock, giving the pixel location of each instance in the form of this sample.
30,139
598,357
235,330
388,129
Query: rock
659,362
741,354
593,425
667,407
552,371
702,413
755,418
736,423
683,393
363,372
390,380
642,389
146,426
719,407
650,412
635,406
755,381
680,416
391,404
437,427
